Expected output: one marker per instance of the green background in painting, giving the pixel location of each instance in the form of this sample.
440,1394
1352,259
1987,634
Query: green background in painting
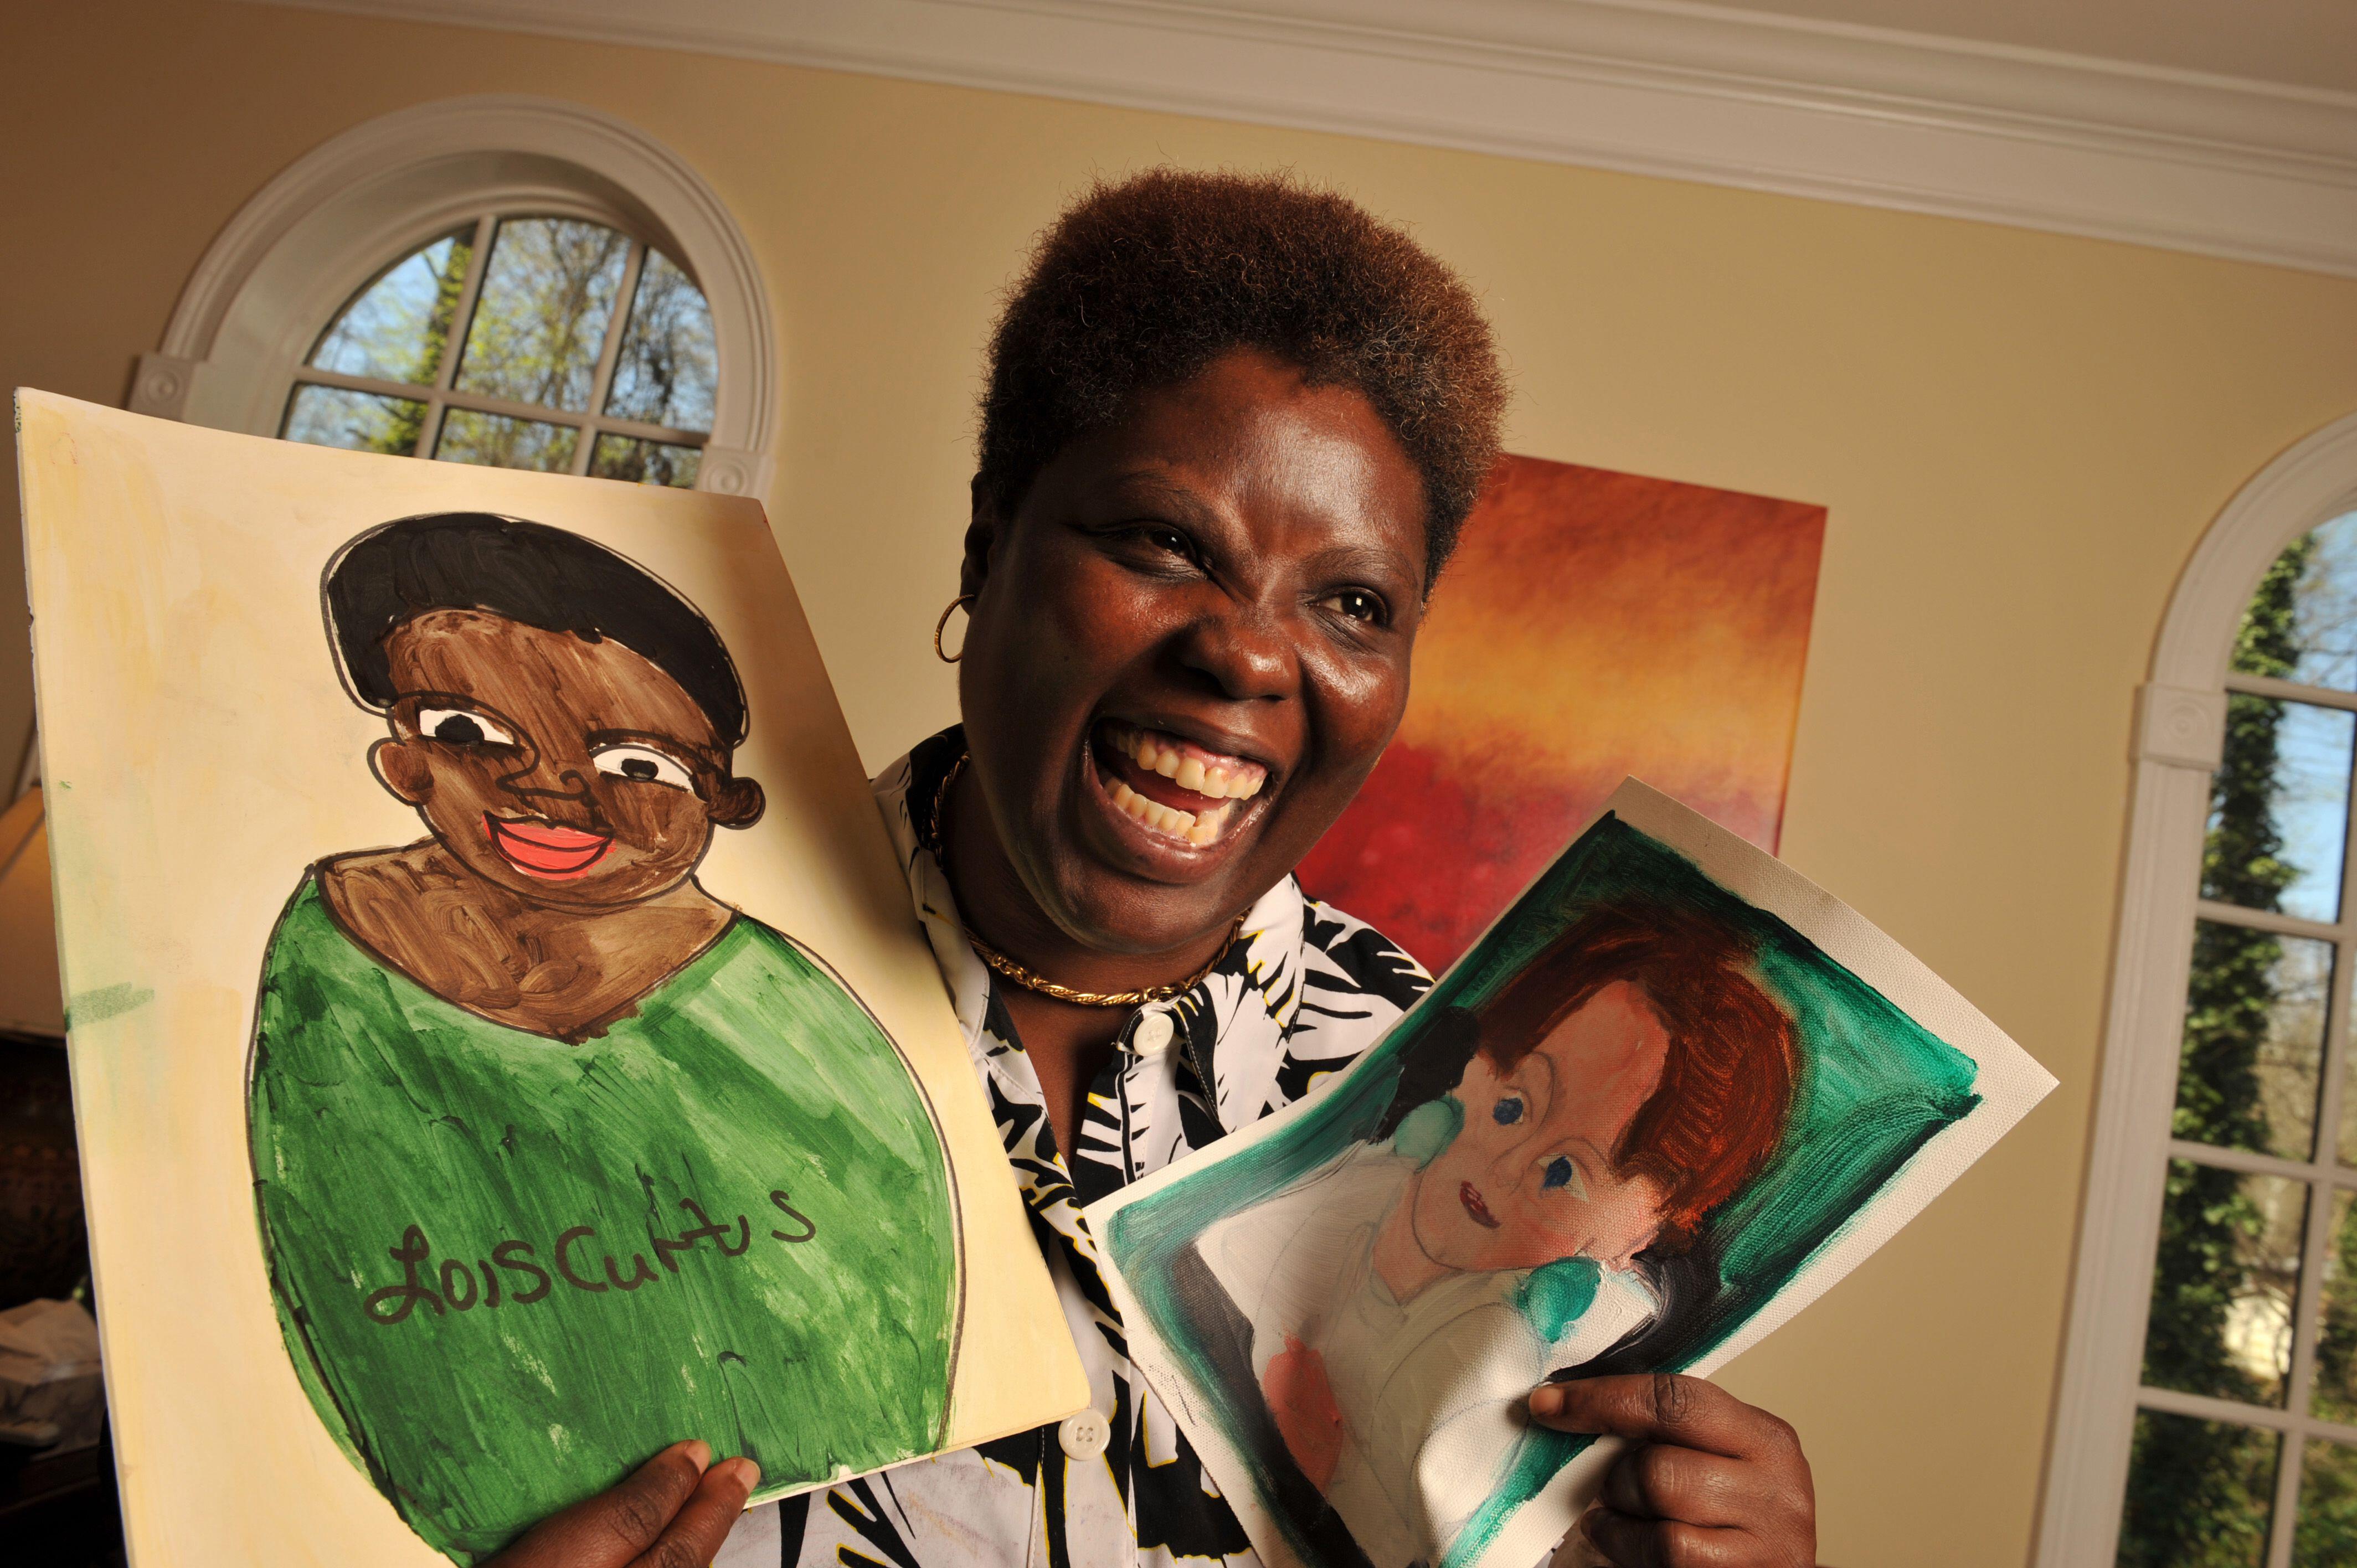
1874,1088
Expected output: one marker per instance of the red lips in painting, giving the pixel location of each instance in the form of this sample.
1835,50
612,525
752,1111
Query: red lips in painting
544,849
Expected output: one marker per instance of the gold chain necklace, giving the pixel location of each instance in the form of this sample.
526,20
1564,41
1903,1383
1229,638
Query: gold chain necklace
1024,978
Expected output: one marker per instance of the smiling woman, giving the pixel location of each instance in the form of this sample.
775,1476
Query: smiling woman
1231,427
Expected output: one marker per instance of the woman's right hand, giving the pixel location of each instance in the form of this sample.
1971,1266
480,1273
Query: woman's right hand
670,1512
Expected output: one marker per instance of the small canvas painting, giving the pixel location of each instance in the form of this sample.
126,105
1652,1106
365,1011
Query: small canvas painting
502,1041
1591,626
1664,1102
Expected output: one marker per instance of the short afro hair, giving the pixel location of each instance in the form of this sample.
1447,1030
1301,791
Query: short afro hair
1143,282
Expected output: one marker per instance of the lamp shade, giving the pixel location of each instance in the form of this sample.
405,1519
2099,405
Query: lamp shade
30,999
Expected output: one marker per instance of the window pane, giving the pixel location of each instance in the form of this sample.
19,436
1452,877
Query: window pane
330,417
498,442
395,328
2326,1533
2254,1044
2200,1494
645,462
2279,808
540,320
2302,622
2223,1284
670,362
2335,1397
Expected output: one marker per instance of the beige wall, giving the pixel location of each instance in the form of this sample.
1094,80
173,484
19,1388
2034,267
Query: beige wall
2019,438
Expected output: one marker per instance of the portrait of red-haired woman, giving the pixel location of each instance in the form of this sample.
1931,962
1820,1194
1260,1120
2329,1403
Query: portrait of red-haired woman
1549,1151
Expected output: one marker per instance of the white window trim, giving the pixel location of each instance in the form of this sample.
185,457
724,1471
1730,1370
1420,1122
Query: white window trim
2181,718
296,252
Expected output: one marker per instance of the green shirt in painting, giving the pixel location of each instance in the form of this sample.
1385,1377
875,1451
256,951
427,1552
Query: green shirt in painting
511,1269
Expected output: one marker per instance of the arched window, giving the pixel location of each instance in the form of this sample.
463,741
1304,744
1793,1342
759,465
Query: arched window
502,280
520,340
2208,1416
2247,1396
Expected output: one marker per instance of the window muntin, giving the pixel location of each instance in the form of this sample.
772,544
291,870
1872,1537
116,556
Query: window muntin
646,462
2245,1445
497,441
668,372
540,319
2251,1065
365,421
396,327
2303,754
521,341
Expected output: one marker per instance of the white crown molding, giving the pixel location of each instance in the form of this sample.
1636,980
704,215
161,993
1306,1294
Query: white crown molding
297,248
2214,165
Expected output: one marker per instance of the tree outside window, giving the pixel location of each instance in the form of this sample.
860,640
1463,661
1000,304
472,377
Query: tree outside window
578,350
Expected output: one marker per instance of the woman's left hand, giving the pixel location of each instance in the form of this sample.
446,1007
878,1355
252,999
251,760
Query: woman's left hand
1707,1481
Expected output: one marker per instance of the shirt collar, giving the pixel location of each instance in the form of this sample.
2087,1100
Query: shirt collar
1233,1025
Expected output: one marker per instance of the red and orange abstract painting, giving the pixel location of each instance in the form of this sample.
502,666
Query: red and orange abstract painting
1592,625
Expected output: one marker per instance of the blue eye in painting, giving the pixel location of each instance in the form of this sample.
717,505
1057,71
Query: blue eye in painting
1559,1173
1508,1110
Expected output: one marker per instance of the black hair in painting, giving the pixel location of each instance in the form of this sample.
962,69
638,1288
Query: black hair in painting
528,572
1432,1064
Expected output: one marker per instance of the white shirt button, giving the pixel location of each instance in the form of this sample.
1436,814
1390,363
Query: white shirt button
1155,1031
1084,1436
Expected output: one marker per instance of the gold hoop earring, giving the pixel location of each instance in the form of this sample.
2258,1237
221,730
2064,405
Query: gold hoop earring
942,625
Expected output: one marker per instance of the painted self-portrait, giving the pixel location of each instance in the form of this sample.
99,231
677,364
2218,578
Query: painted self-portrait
559,1157
1528,1204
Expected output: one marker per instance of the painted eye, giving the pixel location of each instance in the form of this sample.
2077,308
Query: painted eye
1507,1111
461,728
1562,1174
644,765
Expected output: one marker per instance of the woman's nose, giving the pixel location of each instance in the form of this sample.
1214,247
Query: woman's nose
1242,654
544,782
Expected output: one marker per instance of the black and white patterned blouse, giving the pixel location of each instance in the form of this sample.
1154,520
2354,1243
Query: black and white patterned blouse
1304,990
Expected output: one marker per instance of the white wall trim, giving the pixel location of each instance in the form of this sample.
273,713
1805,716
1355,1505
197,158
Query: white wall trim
2214,165
305,241
2181,719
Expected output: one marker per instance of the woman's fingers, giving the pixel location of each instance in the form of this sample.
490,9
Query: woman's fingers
1662,1408
1657,1481
694,1534
1627,1542
612,1529
1708,1482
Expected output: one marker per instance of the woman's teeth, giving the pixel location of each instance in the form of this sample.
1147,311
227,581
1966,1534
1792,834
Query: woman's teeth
1218,781
1196,828
1193,771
